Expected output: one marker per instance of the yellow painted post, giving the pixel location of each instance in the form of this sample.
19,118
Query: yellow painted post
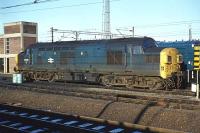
197,67
196,57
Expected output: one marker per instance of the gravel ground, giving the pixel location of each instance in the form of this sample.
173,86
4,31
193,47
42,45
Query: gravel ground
157,116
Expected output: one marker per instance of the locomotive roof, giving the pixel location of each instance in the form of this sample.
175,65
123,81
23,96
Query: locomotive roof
146,42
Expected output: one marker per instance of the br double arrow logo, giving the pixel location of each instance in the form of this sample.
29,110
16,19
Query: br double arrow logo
51,60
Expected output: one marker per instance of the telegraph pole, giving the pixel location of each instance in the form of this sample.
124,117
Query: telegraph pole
76,35
133,30
52,36
190,33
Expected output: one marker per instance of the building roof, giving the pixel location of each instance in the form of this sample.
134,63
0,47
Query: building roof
20,22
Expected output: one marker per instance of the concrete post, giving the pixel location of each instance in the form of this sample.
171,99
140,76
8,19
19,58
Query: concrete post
188,76
197,96
5,65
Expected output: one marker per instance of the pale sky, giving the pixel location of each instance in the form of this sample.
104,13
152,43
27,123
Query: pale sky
160,19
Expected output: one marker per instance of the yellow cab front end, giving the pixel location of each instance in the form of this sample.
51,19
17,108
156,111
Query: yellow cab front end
170,62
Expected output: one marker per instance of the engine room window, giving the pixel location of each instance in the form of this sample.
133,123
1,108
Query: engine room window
152,58
41,49
137,50
65,48
39,60
49,49
66,56
57,48
114,57
84,53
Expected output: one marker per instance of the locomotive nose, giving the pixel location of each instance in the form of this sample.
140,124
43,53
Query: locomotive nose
170,60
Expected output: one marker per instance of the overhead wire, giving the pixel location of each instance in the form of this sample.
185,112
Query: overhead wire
28,3
173,23
169,24
195,31
93,3
169,35
58,7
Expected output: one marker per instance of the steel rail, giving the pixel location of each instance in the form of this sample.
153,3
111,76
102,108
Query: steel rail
25,120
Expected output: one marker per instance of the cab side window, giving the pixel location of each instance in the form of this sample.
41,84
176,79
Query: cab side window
179,59
169,59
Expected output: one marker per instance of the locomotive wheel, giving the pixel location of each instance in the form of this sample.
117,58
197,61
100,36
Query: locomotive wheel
51,78
36,76
179,82
169,83
157,86
27,77
129,86
152,83
106,81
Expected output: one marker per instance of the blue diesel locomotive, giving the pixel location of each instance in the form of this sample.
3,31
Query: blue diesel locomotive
132,62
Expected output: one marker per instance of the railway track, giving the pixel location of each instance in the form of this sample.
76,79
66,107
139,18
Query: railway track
140,97
24,120
184,92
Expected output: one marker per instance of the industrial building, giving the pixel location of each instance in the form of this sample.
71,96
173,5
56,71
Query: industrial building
17,37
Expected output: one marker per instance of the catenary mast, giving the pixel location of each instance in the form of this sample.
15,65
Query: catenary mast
106,19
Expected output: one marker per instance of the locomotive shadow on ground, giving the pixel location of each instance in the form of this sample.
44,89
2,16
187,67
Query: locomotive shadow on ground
104,108
140,115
